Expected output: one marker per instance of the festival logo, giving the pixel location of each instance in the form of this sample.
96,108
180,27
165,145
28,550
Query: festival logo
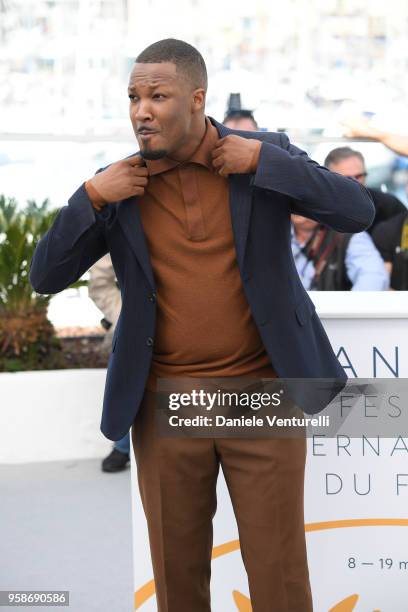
243,603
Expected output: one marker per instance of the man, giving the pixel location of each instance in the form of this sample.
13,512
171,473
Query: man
104,291
391,235
329,261
239,118
349,162
198,228
391,239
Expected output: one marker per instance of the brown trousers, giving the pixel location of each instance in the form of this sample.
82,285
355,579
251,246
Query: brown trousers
265,478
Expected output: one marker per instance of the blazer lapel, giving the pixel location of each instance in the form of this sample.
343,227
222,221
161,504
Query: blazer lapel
131,223
240,201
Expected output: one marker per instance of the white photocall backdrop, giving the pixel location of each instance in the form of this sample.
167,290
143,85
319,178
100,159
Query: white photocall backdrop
356,498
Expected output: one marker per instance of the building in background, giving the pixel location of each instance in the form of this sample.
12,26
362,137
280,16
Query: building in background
64,63
64,67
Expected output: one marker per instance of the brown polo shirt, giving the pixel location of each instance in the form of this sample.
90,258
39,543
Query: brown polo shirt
204,323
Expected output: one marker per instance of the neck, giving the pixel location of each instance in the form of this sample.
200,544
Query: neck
187,151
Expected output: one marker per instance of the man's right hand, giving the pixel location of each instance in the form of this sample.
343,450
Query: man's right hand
121,180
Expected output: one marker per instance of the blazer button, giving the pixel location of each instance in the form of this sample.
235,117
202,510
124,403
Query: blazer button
152,297
149,341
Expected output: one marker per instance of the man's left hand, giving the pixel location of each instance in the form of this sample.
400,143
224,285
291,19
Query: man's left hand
236,155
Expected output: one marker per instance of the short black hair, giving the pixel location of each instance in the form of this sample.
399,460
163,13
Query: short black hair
337,155
187,58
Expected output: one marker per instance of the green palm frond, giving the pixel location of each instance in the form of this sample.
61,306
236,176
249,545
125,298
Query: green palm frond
27,337
20,230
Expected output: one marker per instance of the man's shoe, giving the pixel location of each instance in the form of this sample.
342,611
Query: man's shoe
115,461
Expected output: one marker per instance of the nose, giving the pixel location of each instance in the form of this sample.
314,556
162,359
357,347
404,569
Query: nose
142,111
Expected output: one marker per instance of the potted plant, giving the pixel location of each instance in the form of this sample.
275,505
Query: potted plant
27,337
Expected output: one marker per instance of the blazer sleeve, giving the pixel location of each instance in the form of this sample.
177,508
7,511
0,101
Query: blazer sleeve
314,191
73,243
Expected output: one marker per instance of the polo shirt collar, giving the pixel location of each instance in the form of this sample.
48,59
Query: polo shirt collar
202,155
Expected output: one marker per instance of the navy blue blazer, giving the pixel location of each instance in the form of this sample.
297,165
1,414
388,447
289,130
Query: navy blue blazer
286,181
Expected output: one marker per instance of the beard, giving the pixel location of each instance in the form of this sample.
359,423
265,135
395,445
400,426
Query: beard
158,154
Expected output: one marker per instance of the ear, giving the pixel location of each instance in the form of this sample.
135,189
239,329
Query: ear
198,99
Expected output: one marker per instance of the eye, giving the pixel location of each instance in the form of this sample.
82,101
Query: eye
158,96
132,98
